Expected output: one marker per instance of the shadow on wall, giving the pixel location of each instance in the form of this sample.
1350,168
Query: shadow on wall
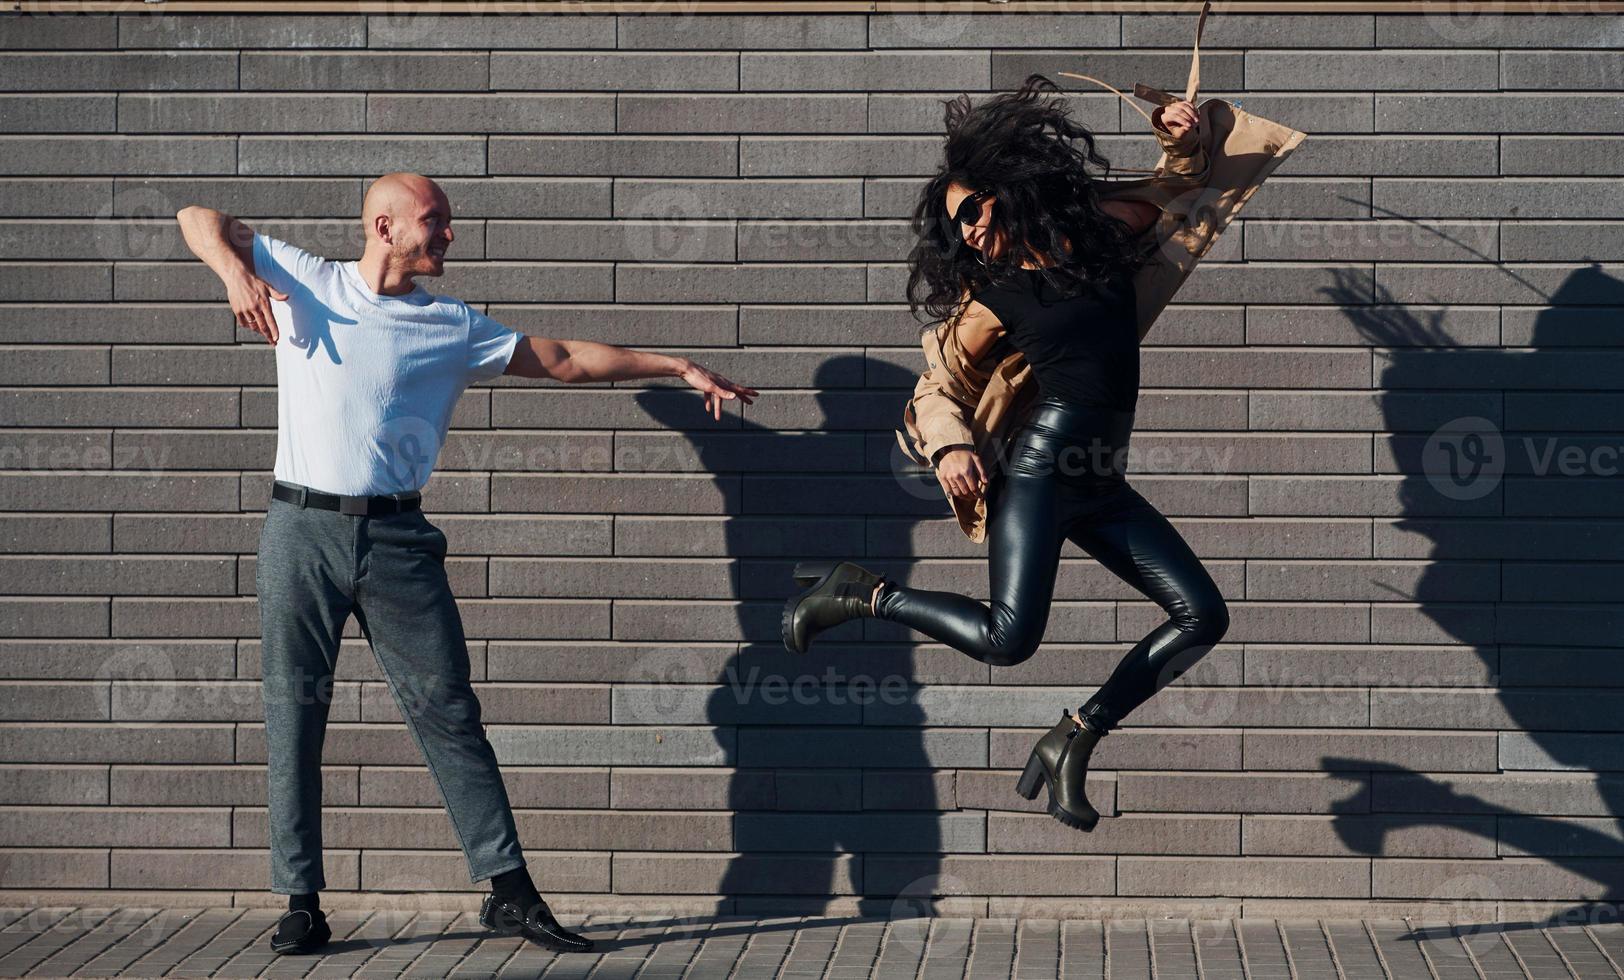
828,806
1513,539
833,785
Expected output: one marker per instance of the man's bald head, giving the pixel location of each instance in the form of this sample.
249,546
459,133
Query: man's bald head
408,222
396,194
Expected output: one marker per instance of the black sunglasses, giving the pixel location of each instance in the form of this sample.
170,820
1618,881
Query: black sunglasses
969,211
970,208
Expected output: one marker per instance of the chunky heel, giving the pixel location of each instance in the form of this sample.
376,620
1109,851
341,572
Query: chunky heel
1060,761
834,592
1084,822
807,573
1031,778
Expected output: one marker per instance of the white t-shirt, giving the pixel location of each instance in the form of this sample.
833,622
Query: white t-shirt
365,384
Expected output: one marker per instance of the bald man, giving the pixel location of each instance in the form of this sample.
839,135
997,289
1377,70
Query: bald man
368,368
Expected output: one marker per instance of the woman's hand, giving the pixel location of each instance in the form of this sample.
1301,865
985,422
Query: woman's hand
715,387
1178,119
960,473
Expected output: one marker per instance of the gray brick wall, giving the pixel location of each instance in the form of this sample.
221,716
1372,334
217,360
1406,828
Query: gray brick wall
1419,698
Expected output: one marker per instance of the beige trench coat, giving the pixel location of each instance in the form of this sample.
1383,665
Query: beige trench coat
1200,184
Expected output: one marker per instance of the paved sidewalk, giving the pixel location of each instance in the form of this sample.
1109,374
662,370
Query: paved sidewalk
231,942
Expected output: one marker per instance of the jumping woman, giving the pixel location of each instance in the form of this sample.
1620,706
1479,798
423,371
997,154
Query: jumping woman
1018,246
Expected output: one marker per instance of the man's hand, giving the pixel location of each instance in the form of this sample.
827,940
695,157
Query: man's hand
250,298
960,473
226,245
1179,119
715,387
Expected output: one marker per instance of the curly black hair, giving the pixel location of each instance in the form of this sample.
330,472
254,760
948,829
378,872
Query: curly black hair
1023,147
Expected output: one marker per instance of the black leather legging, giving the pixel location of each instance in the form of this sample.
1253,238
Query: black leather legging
1066,479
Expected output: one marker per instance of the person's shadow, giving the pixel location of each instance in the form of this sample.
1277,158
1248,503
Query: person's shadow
837,789
1513,576
313,322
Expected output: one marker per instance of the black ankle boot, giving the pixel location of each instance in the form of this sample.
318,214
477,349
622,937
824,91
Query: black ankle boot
1060,761
839,591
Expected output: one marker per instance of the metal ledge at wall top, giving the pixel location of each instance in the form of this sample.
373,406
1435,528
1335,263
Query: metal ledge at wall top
684,7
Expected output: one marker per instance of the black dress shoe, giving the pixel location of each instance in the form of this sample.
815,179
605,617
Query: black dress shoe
299,931
1060,761
508,917
840,591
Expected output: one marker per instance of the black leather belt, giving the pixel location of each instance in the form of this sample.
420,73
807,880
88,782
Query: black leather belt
344,504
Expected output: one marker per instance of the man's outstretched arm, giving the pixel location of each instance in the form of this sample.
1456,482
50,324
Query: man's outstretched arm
575,361
226,245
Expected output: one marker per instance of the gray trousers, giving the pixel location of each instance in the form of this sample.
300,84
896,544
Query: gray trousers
315,568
